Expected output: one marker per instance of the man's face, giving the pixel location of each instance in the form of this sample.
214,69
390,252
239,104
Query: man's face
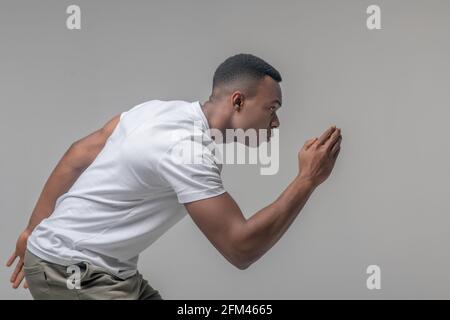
259,111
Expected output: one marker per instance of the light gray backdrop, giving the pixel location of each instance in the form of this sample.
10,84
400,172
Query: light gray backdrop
387,201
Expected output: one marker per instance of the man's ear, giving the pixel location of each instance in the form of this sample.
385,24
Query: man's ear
237,100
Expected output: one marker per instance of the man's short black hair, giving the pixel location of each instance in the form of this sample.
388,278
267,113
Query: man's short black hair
243,66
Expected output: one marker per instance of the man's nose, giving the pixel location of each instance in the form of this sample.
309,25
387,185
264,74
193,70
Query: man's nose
275,122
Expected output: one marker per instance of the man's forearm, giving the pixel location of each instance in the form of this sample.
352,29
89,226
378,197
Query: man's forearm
60,180
266,227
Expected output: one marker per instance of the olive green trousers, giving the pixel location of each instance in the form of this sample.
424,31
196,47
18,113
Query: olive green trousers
82,281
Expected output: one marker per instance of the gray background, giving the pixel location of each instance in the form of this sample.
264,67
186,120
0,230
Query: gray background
387,201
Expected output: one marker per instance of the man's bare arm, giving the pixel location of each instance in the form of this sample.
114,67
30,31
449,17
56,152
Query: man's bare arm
243,241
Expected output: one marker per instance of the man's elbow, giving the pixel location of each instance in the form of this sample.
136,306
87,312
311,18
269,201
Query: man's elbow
242,266
242,259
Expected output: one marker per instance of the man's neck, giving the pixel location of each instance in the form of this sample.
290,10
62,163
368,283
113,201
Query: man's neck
216,116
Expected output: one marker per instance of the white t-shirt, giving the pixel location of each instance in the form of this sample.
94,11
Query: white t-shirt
133,191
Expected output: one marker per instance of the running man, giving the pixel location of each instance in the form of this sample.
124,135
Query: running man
117,190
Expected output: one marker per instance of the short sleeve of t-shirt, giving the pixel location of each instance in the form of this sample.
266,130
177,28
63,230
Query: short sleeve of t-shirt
191,180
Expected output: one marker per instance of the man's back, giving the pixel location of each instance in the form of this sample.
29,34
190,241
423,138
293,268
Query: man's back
131,193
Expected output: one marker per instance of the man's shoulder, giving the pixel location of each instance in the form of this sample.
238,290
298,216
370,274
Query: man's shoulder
164,123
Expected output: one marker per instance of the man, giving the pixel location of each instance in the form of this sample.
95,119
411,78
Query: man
119,189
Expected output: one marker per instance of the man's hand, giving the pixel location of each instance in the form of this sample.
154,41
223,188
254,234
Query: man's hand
243,241
21,246
318,156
